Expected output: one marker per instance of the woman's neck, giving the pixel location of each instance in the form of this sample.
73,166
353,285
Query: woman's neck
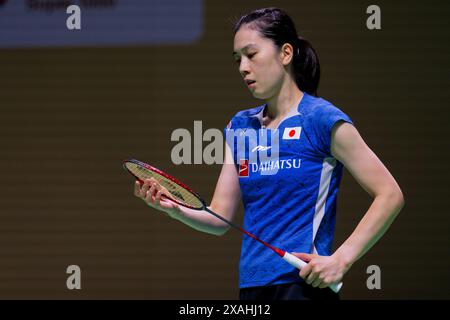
282,104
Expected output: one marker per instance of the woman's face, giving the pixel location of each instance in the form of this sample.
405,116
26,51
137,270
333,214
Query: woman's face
260,60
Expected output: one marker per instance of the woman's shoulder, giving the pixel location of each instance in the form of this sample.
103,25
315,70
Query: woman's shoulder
321,115
318,111
318,107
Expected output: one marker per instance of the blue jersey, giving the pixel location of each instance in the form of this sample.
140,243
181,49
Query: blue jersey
289,200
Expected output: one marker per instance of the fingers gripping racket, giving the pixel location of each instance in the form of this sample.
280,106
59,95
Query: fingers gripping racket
185,196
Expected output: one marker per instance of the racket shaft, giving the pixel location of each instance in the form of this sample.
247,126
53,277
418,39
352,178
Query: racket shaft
299,264
231,224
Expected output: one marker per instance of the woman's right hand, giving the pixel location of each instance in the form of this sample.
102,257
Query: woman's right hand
151,192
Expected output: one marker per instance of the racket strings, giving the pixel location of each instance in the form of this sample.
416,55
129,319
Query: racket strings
176,191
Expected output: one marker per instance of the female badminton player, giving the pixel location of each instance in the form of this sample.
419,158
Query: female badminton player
294,208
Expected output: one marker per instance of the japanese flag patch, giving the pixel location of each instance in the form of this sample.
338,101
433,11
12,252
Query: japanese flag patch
292,133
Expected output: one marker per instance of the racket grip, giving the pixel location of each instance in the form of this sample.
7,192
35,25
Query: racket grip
299,264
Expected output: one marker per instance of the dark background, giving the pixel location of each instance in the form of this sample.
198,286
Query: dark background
69,116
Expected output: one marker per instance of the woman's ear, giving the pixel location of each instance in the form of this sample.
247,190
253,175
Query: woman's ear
286,53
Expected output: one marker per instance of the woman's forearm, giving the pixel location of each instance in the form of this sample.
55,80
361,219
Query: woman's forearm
201,221
372,226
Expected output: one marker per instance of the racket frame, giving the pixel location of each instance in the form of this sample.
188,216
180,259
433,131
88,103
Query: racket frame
169,177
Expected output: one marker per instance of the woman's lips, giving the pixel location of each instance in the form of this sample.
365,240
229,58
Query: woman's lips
251,84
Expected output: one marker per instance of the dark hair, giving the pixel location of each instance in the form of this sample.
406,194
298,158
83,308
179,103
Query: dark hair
273,23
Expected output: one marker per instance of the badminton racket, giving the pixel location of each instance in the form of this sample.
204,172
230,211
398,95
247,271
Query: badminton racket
185,196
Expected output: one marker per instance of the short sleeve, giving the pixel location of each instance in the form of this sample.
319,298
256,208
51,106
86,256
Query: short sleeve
226,129
323,119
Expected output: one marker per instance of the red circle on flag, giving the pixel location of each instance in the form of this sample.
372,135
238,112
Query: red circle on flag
292,133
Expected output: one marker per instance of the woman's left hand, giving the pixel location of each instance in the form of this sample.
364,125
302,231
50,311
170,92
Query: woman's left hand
321,271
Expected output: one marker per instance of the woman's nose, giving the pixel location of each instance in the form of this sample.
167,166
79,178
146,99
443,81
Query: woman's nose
244,68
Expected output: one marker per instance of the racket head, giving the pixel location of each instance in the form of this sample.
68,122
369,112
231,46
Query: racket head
180,193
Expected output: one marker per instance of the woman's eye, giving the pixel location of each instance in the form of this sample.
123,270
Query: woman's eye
248,56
